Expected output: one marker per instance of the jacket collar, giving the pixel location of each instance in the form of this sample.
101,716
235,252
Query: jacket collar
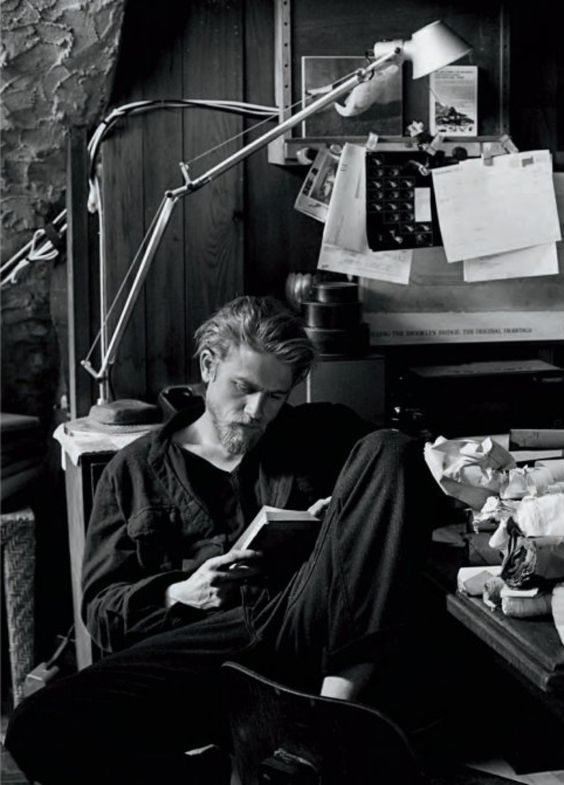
275,487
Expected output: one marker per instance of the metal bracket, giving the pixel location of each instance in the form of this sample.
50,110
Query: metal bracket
285,150
282,76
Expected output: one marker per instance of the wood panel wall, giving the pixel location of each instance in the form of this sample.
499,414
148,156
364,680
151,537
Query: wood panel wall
239,234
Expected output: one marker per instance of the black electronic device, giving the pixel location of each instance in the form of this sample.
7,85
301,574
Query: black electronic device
478,398
400,204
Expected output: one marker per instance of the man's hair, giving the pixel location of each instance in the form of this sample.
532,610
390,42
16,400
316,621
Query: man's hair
264,325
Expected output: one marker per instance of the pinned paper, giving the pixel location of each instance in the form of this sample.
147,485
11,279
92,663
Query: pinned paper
522,263
344,247
315,194
485,210
453,94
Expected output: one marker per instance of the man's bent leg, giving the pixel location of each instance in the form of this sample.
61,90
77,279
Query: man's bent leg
350,604
129,719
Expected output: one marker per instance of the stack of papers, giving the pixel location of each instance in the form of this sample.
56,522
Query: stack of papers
500,219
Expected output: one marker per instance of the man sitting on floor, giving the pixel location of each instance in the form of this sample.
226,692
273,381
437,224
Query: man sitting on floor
169,601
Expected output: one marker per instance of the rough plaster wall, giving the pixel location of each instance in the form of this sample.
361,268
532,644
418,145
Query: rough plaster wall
56,63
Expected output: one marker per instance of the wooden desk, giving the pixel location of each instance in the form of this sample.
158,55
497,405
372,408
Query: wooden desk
527,649
531,647
507,673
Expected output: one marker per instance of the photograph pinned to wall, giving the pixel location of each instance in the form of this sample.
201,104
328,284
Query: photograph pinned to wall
315,193
373,106
453,97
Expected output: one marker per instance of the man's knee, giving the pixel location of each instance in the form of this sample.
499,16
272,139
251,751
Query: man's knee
387,444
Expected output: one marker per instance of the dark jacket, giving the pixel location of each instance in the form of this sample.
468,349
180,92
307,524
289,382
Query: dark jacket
149,529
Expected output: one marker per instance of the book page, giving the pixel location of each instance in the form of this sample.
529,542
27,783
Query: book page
276,518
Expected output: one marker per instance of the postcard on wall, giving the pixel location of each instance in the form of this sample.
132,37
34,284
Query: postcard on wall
315,193
379,101
453,97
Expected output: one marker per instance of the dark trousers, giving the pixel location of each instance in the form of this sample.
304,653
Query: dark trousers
130,717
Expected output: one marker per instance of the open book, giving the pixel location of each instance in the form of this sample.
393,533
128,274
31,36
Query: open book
285,534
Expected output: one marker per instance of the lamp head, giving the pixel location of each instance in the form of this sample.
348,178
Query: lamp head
430,48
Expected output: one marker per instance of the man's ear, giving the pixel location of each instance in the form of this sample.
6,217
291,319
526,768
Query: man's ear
208,364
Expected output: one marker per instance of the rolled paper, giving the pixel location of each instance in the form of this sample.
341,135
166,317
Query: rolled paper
526,607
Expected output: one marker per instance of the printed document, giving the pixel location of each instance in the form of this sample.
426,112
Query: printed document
344,248
522,263
485,210
453,95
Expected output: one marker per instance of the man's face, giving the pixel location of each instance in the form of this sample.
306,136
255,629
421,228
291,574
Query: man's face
245,392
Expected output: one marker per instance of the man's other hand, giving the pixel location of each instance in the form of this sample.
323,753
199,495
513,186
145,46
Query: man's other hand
319,508
215,581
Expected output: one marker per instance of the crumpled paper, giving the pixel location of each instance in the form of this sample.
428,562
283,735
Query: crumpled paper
540,516
470,470
494,512
531,561
525,481
534,516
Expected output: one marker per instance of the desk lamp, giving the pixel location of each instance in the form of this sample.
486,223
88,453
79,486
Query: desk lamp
429,49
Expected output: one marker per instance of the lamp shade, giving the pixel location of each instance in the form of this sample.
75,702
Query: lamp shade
432,47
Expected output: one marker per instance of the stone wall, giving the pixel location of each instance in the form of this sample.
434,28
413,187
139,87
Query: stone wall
56,62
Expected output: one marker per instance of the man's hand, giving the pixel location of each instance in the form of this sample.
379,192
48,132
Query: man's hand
215,581
319,508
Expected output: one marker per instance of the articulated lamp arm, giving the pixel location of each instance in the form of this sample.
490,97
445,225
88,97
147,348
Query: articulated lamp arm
429,49
172,197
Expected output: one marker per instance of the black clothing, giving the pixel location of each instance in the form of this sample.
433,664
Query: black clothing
219,490
149,527
135,712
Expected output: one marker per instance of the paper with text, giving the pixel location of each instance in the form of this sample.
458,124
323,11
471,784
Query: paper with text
344,247
453,95
485,210
522,263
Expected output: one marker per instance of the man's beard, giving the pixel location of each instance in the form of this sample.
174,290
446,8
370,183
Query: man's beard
236,436
238,439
